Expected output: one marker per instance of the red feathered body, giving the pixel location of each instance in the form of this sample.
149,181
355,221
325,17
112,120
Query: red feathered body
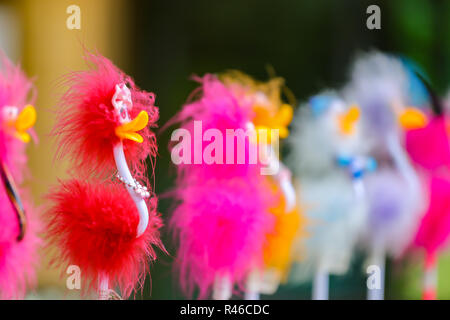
94,225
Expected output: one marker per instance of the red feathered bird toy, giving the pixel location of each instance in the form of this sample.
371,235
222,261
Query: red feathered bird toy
105,220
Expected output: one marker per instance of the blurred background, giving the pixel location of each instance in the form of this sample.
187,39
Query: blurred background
162,43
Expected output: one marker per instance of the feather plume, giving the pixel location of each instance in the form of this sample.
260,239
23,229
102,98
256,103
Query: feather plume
18,259
86,120
94,227
221,227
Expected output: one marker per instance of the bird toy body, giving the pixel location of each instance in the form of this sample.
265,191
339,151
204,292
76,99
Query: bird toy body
223,215
19,224
105,222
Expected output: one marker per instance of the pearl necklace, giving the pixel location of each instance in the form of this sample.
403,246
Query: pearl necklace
141,190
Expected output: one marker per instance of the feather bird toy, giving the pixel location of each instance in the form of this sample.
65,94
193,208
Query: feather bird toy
429,148
324,130
19,225
109,228
379,85
223,215
271,113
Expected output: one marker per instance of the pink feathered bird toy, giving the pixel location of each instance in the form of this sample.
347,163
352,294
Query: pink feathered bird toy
429,148
104,220
18,222
223,216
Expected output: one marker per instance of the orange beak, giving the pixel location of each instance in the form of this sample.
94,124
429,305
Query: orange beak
129,130
412,118
265,121
24,121
348,120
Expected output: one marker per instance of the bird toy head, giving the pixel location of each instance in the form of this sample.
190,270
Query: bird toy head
123,105
101,109
269,111
339,118
17,114
380,85
17,121
17,117
326,127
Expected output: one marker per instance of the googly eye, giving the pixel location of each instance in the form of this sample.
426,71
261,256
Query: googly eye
122,102
10,113
123,113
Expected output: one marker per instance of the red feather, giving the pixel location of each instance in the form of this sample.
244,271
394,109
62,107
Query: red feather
86,120
94,226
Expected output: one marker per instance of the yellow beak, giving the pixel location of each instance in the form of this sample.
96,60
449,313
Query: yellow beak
24,121
411,118
348,120
129,130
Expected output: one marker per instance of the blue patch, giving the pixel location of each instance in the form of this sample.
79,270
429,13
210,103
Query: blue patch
417,92
344,161
319,104
371,164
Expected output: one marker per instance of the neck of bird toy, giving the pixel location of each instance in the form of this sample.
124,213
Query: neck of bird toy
124,171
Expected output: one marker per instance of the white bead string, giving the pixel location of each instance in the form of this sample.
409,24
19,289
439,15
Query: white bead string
141,190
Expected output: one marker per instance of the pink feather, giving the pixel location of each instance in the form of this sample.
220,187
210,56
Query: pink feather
18,259
221,226
434,229
216,108
429,148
